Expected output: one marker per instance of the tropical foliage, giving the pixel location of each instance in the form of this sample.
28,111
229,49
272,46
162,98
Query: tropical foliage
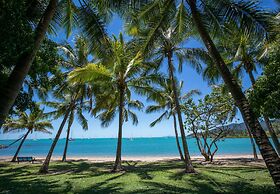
207,120
123,71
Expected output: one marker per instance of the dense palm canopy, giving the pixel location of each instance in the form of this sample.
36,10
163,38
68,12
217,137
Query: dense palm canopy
102,75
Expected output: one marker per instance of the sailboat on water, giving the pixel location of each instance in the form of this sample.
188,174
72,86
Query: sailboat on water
71,137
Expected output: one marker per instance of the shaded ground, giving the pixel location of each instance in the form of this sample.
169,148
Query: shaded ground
142,177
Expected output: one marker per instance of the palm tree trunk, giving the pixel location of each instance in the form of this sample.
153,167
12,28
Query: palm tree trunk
14,83
188,163
20,145
250,134
66,142
266,149
252,78
267,121
272,134
117,165
44,168
177,138
252,143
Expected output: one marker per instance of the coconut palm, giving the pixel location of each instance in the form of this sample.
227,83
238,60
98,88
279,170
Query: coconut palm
71,103
164,97
162,38
75,57
219,12
33,122
115,76
167,46
75,112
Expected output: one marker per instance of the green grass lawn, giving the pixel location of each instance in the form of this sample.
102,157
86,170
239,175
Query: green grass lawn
158,177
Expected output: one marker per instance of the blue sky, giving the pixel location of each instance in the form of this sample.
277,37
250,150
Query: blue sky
192,80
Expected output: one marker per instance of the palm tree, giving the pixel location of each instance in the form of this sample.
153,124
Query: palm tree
67,107
250,22
122,71
162,38
75,57
164,97
71,102
76,110
33,122
71,96
168,46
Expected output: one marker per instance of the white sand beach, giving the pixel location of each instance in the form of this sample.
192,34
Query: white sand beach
140,158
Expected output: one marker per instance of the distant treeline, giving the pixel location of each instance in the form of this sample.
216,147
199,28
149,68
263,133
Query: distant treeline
239,130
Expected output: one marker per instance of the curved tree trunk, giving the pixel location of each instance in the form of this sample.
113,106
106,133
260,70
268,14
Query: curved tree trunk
188,163
267,121
177,138
252,143
45,167
14,83
66,142
117,165
267,151
20,145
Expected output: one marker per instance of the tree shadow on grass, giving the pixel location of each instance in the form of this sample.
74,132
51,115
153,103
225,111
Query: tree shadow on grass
81,168
16,180
172,179
204,186
103,187
145,170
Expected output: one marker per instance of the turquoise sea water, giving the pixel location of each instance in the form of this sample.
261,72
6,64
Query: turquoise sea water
163,146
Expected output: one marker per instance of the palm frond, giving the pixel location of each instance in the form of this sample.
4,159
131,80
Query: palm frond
159,119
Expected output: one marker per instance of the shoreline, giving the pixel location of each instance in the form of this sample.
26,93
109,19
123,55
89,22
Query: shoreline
140,158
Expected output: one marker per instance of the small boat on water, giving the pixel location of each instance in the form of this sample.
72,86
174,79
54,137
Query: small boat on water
71,139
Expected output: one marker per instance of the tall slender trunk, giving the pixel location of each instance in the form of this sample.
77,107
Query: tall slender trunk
177,138
252,143
272,134
267,121
44,168
14,83
266,149
188,163
252,78
20,145
117,165
66,142
250,134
